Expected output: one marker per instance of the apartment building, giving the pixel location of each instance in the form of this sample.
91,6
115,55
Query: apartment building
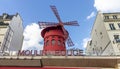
11,33
105,35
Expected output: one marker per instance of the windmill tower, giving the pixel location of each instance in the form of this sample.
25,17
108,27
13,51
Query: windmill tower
55,35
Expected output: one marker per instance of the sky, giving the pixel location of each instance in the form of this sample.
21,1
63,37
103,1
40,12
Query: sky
83,11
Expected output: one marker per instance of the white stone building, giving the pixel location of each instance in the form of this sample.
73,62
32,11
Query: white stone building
105,35
11,33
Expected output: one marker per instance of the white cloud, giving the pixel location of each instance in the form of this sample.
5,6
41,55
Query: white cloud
84,42
91,15
107,5
32,37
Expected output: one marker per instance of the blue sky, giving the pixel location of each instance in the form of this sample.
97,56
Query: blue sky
83,11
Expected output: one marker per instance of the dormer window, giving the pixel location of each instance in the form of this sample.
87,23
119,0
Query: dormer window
106,17
5,15
114,17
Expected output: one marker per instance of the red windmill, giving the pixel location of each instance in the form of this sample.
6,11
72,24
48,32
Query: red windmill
55,35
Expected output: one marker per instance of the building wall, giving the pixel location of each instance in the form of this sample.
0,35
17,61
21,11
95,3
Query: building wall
111,33
13,36
88,50
17,38
102,37
99,36
3,30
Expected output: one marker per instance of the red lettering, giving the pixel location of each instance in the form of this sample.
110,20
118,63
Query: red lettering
21,53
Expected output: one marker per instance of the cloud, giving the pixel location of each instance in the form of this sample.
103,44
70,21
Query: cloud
91,15
84,42
107,5
32,38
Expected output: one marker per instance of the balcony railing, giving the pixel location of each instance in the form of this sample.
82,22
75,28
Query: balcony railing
111,20
116,41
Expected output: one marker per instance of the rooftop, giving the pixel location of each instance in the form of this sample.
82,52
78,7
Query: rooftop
6,16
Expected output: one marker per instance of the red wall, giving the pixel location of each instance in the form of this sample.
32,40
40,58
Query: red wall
56,35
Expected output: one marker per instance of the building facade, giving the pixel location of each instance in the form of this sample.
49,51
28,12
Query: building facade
105,35
11,33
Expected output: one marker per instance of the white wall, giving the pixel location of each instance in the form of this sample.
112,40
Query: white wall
17,38
3,30
101,41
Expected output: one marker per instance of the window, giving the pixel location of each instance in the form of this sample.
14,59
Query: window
112,26
106,17
100,33
93,51
96,32
116,36
53,42
101,48
114,17
90,42
0,43
47,43
119,25
59,42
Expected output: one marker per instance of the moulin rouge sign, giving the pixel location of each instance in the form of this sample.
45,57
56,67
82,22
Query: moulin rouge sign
45,53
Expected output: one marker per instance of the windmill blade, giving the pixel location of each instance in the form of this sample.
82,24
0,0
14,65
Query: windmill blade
69,42
46,24
71,23
54,9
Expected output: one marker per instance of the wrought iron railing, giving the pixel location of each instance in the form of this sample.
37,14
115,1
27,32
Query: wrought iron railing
111,20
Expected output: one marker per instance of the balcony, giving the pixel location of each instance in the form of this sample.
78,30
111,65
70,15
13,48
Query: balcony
112,20
116,41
